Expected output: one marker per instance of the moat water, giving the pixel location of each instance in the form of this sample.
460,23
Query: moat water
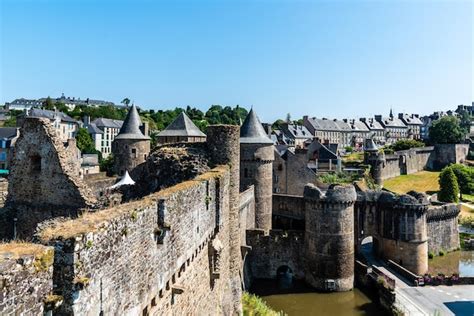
302,300
342,304
461,262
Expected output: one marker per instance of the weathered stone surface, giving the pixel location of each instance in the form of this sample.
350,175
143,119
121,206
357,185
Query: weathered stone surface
169,165
44,181
25,281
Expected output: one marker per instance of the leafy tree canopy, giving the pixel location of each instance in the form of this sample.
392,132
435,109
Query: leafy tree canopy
449,189
447,130
404,144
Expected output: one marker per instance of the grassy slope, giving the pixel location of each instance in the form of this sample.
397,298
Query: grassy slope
423,181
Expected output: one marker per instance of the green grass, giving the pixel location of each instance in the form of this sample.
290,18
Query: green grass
354,157
468,198
423,181
253,305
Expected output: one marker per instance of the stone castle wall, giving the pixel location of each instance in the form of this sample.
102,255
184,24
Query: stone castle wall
256,161
443,232
407,162
271,251
449,153
291,206
247,208
25,280
165,254
329,237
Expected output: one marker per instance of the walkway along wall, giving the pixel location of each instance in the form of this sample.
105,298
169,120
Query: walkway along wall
165,254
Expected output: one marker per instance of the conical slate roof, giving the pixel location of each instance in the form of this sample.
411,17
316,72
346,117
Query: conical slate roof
252,132
370,145
182,126
131,126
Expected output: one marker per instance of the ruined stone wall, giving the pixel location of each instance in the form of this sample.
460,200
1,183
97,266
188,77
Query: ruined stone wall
44,171
26,280
165,254
45,179
443,232
3,192
269,252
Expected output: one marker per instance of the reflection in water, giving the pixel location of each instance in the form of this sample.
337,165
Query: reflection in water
461,262
345,303
301,299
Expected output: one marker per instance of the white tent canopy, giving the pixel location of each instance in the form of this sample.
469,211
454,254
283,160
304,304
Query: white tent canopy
126,180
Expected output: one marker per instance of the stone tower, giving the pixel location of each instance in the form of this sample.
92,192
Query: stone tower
130,146
374,159
256,159
329,237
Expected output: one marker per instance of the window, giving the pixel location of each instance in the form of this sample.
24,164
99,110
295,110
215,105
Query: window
35,163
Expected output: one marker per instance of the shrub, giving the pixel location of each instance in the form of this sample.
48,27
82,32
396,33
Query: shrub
337,178
349,149
430,255
404,144
253,305
465,177
449,189
442,252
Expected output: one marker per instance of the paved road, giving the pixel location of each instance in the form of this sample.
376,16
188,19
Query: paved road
426,300
442,300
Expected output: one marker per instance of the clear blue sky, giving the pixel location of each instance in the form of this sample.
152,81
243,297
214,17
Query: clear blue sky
322,58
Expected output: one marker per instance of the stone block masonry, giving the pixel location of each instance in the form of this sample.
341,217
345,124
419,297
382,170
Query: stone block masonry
26,278
165,254
269,252
443,232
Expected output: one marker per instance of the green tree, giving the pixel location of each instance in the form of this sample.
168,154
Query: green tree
278,124
447,130
465,178
125,101
107,165
10,122
449,189
404,144
84,141
48,104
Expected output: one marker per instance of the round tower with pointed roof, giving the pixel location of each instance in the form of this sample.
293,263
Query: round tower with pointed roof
256,159
130,146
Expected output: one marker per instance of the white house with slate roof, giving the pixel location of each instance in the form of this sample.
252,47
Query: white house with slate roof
182,129
414,124
329,131
394,128
66,126
104,131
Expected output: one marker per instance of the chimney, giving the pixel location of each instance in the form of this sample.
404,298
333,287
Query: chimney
378,117
87,120
363,119
145,128
345,120
400,115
